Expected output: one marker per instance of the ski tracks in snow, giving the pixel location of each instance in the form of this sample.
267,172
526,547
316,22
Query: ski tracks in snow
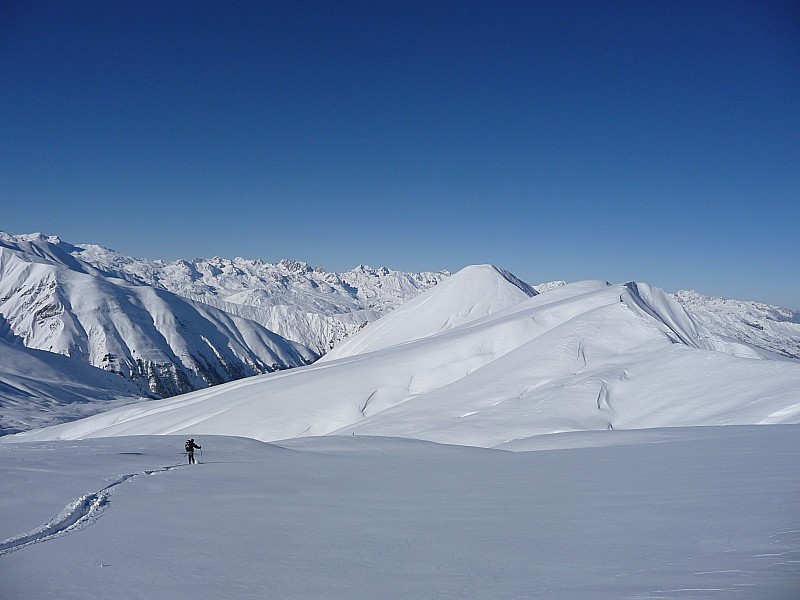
77,515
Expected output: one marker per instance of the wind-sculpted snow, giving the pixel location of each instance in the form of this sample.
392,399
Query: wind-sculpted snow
584,356
683,326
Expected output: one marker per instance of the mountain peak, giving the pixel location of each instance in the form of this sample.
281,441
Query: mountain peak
470,294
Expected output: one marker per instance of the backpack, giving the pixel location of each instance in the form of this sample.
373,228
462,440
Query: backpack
188,445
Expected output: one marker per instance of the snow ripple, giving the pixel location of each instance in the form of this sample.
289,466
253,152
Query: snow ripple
77,515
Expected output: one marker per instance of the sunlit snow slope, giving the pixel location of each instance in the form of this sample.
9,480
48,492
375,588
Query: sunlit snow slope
679,513
585,356
167,344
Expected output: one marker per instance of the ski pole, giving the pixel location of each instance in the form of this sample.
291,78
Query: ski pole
201,456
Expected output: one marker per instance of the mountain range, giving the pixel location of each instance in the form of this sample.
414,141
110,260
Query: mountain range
579,454
484,360
149,328
165,328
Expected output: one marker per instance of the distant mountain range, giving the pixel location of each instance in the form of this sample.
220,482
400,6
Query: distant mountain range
769,327
82,325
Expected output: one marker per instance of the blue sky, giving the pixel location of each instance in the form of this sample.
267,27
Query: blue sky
656,141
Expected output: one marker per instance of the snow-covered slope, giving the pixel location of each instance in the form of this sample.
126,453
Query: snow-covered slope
478,291
114,312
583,356
675,514
40,388
171,344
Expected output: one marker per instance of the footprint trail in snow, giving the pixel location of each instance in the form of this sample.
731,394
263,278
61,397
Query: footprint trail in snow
77,515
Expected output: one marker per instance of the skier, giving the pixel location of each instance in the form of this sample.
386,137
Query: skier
190,446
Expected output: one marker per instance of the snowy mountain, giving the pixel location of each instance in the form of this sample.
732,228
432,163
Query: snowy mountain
175,327
632,497
321,309
478,291
165,344
770,327
170,328
584,356
304,304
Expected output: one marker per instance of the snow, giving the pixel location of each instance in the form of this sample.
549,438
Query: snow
482,440
584,356
169,328
300,303
662,513
40,388
769,327
478,291
160,343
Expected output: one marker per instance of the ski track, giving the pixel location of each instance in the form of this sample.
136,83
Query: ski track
77,515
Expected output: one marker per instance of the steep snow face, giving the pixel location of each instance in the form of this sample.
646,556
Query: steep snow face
681,324
761,326
584,356
471,294
139,332
50,249
770,327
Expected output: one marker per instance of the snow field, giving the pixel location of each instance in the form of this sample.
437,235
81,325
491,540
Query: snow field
669,513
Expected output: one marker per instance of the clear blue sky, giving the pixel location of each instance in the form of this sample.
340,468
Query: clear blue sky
656,141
